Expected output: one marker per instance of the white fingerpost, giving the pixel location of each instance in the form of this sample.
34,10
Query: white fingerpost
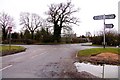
103,17
104,32
9,30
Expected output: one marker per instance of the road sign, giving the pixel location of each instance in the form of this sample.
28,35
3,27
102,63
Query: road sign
109,25
9,29
100,17
103,17
110,16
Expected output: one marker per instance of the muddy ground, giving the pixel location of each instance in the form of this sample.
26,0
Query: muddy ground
102,58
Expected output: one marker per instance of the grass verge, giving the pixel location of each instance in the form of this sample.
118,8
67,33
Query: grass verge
105,56
6,50
95,51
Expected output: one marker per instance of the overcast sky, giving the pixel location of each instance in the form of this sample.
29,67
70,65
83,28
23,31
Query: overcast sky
88,9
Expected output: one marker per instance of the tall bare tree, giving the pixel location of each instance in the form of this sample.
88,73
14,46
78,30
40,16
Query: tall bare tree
61,15
30,21
5,22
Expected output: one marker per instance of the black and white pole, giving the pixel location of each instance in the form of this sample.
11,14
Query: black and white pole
104,32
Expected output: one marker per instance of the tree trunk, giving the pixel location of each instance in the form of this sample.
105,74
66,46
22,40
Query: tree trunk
4,34
57,33
32,34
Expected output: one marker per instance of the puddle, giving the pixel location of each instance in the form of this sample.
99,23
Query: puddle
104,71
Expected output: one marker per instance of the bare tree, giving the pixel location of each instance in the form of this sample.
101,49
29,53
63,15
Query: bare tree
30,21
88,34
61,15
5,22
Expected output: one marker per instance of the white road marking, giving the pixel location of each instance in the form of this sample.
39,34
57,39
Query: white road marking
37,55
6,67
18,59
76,55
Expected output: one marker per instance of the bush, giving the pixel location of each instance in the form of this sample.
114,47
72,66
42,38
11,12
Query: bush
112,39
19,41
5,42
79,40
29,41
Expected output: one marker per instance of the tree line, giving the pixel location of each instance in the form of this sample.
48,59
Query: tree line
26,37
60,17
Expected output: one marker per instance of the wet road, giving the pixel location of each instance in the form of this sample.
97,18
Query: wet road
40,61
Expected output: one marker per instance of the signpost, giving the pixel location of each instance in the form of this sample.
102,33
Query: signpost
9,30
98,17
110,16
109,25
103,17
104,32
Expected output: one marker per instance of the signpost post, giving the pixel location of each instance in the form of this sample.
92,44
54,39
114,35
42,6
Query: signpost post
104,31
103,17
103,72
9,30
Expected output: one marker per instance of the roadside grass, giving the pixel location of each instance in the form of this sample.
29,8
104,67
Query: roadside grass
5,50
95,51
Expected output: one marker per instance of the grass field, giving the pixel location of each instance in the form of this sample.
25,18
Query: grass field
13,49
94,51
